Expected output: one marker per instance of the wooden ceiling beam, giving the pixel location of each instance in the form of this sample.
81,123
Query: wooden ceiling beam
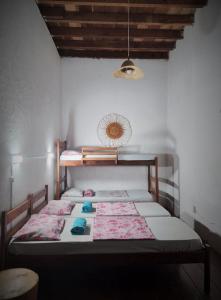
114,46
134,50
58,14
133,3
111,54
109,33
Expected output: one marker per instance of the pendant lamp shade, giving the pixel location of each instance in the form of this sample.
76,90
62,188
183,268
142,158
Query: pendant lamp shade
128,70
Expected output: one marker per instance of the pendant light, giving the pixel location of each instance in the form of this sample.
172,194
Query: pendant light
128,70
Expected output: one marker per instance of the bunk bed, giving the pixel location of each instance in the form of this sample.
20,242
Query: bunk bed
174,243
105,156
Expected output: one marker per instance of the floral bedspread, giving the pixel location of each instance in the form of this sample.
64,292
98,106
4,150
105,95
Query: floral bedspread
116,209
121,228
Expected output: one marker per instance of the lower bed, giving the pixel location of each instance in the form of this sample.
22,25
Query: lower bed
136,195
171,235
174,243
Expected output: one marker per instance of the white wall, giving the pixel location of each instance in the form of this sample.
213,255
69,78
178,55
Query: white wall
29,100
89,92
194,117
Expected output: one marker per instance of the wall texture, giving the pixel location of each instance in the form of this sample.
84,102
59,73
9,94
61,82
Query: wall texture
194,118
29,101
89,92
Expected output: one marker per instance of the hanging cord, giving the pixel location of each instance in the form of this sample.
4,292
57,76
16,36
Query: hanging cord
128,29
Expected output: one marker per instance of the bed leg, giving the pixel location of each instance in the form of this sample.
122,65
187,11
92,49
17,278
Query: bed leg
149,181
3,241
207,270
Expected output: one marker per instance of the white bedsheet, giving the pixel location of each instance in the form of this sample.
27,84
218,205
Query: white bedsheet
132,195
151,209
135,156
79,156
71,157
47,247
171,235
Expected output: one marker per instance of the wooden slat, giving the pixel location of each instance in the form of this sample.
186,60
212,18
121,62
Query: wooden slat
98,159
91,148
58,14
135,162
109,33
81,27
133,3
109,45
111,54
37,196
35,210
19,225
13,213
70,163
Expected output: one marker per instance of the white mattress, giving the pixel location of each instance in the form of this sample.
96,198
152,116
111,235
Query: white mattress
171,235
53,247
135,156
149,209
71,157
79,156
121,156
132,195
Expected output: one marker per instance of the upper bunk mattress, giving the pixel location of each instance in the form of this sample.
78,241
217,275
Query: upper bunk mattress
114,196
171,235
135,156
74,155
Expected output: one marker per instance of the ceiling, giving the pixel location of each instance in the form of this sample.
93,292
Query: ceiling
99,28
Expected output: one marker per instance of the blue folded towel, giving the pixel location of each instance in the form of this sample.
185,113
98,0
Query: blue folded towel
87,207
78,226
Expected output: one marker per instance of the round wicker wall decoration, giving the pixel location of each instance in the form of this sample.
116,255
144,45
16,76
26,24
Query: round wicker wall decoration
114,130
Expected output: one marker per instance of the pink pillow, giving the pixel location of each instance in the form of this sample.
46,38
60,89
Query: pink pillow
89,193
58,207
41,227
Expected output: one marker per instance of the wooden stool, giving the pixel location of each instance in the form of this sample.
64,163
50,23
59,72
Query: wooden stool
19,284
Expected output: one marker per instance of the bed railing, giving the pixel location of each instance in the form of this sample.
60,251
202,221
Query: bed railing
11,222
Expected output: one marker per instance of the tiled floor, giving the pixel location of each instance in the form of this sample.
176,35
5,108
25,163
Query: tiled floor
152,283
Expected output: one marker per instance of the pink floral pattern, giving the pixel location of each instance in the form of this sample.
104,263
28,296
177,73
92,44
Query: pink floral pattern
58,207
121,228
116,209
41,227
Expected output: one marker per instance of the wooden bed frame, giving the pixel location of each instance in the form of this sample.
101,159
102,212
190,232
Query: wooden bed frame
61,179
9,224
37,262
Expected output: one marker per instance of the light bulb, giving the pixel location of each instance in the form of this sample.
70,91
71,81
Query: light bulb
129,71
